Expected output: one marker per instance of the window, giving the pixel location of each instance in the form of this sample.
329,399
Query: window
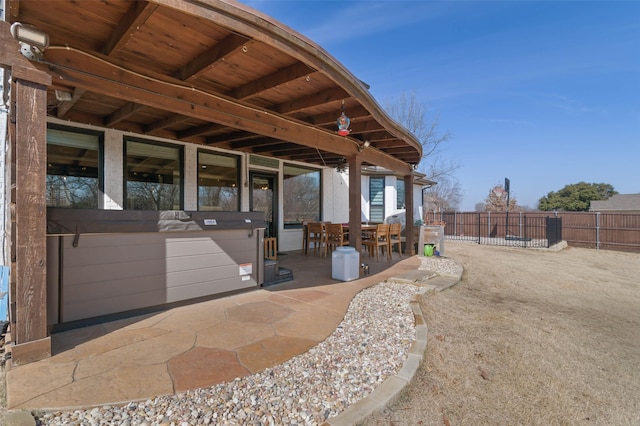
400,204
301,195
376,195
153,176
73,168
218,178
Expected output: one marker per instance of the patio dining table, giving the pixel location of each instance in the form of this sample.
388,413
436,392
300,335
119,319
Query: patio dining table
366,229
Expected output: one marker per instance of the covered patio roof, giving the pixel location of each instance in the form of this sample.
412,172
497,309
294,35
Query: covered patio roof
209,73
213,73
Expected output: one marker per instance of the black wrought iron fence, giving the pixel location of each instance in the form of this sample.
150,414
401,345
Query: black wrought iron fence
503,229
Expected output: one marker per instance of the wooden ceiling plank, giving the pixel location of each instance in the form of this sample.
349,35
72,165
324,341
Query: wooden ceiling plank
331,118
206,60
272,33
126,111
83,70
199,130
136,16
333,94
231,137
275,147
282,76
167,122
249,142
366,127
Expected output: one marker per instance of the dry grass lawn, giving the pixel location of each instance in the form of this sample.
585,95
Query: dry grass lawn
529,337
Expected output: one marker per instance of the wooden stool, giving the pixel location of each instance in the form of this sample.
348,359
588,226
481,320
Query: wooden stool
271,248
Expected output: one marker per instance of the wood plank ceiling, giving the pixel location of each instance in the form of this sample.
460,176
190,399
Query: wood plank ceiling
213,73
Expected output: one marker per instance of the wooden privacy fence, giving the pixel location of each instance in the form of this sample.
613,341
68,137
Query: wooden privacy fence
609,231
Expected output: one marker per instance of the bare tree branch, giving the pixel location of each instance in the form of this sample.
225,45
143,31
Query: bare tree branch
412,114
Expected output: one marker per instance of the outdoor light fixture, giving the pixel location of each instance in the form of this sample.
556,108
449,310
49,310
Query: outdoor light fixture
62,96
32,41
342,165
343,123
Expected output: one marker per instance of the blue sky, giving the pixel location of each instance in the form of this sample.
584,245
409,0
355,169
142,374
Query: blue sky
545,93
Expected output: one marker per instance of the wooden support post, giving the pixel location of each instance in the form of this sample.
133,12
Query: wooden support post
30,337
408,202
355,203
28,138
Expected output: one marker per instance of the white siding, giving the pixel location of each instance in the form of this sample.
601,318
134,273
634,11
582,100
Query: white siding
113,171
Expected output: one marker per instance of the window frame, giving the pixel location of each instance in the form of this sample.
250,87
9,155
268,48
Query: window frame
400,194
300,225
125,172
101,173
371,198
238,162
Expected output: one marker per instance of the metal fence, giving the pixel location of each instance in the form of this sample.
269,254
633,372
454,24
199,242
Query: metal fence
613,231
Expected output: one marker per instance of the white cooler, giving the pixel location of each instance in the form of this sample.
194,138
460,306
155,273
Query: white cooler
345,264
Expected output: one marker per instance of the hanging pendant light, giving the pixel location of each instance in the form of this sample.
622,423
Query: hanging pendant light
343,123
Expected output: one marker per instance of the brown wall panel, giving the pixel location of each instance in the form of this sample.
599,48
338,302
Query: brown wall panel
111,273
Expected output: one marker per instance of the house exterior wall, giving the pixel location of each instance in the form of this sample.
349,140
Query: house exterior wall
5,249
113,198
418,203
4,170
190,177
335,185
390,198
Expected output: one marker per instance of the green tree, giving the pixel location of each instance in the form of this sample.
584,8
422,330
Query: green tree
576,197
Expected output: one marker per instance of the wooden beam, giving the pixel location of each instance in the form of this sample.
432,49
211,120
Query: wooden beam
355,203
167,122
199,130
409,220
330,119
274,147
207,60
135,17
282,76
243,21
248,142
230,138
83,70
122,114
27,136
30,219
335,94
365,127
